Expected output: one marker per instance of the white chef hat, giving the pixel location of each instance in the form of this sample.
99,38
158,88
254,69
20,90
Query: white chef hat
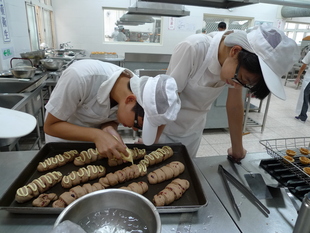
159,98
276,53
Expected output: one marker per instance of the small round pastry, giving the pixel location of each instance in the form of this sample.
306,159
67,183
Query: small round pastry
307,170
288,159
304,151
291,153
304,160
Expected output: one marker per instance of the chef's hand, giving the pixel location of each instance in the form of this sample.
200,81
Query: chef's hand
139,141
109,143
297,80
236,157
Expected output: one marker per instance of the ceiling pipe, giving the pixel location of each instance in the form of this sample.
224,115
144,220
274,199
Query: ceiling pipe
293,3
292,12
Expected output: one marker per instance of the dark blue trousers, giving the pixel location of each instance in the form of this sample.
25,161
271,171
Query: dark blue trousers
304,109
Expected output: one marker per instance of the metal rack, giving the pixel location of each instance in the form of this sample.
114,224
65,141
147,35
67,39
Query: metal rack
250,122
276,148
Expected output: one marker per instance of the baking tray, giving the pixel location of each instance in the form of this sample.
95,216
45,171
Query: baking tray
192,200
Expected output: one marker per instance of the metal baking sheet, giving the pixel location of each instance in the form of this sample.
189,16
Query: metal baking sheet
192,200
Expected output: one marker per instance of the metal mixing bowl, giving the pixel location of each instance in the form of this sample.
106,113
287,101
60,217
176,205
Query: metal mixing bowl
23,71
39,54
92,204
34,56
52,64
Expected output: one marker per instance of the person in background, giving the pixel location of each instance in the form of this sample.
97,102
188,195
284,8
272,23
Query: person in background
114,34
304,96
203,65
221,26
121,36
92,97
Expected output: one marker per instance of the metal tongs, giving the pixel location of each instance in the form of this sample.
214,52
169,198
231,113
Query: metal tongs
227,176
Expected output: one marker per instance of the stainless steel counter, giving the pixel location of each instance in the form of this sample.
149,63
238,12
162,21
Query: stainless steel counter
212,218
282,215
29,100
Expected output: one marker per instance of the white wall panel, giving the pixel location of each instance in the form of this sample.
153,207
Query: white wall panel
81,22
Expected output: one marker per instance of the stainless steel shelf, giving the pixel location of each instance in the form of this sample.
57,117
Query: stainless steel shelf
247,121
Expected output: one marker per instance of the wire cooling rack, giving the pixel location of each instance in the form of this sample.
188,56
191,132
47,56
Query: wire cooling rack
276,148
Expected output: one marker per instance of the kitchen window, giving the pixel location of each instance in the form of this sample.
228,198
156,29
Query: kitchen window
136,28
32,27
297,31
240,23
40,26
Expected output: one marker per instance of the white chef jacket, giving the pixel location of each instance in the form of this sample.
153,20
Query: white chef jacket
305,82
121,36
196,69
82,94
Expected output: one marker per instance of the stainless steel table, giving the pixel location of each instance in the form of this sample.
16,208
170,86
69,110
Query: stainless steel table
217,216
282,215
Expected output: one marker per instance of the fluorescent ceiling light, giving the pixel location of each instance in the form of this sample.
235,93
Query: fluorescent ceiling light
158,9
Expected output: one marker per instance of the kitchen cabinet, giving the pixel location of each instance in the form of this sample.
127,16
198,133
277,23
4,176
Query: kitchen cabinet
134,61
217,116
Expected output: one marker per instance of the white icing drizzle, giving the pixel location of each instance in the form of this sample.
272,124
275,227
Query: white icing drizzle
50,178
58,158
90,169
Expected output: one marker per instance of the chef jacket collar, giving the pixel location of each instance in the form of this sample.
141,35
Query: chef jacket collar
105,88
214,65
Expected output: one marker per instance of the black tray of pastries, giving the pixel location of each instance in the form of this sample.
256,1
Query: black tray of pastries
192,200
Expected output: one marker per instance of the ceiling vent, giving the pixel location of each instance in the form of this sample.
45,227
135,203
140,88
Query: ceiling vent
158,9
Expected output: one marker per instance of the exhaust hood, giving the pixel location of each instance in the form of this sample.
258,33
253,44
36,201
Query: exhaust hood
235,3
158,9
134,20
137,18
208,3
121,23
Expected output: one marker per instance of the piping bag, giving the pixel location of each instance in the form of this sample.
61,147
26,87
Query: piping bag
128,158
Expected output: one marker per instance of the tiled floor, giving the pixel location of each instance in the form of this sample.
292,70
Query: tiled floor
280,123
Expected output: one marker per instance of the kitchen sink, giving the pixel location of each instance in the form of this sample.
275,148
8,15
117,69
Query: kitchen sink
11,101
13,86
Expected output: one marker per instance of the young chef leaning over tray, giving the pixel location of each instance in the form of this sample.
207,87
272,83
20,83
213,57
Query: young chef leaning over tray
92,97
203,65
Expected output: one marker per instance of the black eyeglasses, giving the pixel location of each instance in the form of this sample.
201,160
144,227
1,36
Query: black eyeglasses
135,123
235,79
